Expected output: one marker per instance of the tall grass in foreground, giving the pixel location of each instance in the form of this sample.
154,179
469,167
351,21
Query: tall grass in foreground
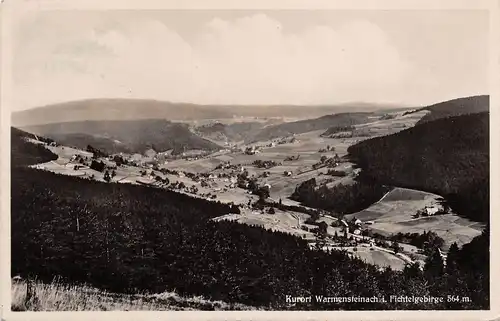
60,297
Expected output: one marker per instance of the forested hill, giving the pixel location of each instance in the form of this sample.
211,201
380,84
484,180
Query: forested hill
229,132
25,153
129,238
132,136
448,156
307,125
456,107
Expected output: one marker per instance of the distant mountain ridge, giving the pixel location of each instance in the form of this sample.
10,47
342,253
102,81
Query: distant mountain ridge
134,109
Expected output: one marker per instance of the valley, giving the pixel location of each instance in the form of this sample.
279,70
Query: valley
295,159
316,189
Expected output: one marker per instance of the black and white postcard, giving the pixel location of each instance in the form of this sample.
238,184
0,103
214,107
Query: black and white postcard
313,158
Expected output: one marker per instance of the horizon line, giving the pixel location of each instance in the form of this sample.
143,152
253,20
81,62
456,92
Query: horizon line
381,104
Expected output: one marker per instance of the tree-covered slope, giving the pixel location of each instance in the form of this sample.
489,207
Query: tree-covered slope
24,152
307,125
456,107
448,156
133,136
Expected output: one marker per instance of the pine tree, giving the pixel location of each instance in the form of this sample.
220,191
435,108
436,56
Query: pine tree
107,177
433,265
452,260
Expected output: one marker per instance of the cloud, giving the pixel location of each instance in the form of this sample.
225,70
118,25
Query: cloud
250,60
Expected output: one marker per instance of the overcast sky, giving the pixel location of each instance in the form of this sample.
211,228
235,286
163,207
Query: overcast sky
250,57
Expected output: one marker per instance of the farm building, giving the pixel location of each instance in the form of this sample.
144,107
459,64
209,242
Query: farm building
431,210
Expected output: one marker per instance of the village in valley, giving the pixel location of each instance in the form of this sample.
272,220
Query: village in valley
258,179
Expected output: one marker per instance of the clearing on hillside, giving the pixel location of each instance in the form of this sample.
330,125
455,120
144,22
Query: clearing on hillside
394,213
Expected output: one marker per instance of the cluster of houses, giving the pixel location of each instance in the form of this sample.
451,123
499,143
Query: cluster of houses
354,226
330,162
252,150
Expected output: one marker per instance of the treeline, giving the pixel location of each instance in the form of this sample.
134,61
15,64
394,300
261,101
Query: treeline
341,198
337,129
96,152
447,156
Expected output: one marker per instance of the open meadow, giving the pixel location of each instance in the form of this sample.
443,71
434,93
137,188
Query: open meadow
394,214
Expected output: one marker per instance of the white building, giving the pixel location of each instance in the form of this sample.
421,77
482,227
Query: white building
431,210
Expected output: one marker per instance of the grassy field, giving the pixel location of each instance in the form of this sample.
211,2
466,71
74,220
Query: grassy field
393,214
377,257
288,221
59,297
